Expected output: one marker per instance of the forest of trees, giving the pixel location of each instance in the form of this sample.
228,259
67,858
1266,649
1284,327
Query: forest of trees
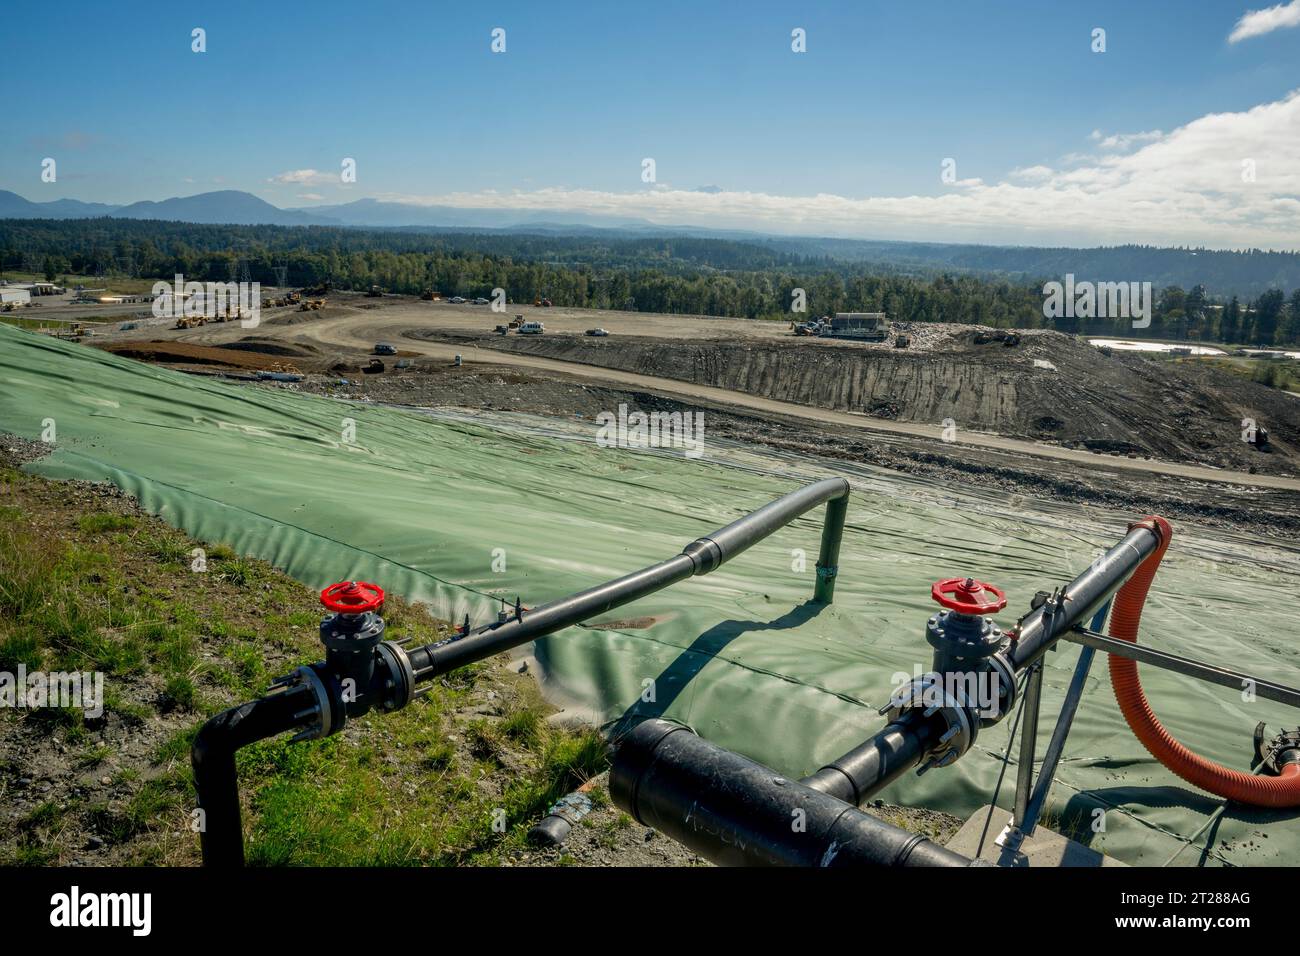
657,274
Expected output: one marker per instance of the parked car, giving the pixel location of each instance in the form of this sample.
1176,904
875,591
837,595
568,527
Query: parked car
599,333
480,301
456,300
384,348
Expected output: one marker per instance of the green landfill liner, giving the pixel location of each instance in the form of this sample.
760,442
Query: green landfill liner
460,513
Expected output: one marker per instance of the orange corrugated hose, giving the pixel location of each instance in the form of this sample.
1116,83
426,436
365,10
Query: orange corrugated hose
1280,791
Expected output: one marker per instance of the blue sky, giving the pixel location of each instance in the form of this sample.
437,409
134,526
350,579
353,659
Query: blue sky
713,92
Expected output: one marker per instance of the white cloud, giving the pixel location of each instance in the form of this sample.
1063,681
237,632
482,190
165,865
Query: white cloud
1032,173
1254,23
1184,187
1121,142
304,177
310,196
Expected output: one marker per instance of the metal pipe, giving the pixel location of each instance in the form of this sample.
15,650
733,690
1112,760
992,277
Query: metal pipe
1028,821
1028,741
306,700
699,557
1040,629
829,559
1211,673
736,812
213,759
874,764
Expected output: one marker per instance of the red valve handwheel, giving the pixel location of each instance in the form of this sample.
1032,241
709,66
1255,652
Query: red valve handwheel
352,597
968,596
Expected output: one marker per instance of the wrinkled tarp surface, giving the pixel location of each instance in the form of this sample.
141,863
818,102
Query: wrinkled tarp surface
459,512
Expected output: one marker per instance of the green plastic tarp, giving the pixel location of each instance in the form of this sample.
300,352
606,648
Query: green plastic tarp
460,511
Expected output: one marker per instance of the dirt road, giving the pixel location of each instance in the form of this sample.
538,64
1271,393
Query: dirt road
349,331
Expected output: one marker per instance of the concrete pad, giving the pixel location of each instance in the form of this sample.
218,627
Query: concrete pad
1044,848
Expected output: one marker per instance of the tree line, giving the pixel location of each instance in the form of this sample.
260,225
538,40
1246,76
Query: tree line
650,274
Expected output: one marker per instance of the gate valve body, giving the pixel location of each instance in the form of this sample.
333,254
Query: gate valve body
963,636
351,635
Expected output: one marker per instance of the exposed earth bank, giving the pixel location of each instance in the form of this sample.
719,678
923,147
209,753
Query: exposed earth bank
1047,387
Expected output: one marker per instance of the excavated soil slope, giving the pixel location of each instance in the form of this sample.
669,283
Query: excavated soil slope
1049,387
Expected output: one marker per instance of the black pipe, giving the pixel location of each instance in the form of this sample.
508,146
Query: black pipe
312,696
1081,598
213,759
736,812
874,764
699,557
871,766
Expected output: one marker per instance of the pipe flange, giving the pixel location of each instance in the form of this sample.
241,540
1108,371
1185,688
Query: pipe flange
929,694
1277,751
400,682
323,709
1005,676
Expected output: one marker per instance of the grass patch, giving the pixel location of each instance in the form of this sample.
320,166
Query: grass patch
86,585
100,523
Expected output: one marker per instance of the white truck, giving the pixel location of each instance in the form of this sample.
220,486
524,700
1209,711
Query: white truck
531,328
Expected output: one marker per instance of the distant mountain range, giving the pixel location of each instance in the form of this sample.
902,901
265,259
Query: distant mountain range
227,206
1222,272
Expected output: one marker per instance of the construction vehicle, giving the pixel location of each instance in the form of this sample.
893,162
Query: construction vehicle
859,326
1006,338
518,321
541,303
190,322
811,327
430,296
312,305
374,292
383,348
374,367
502,330
902,341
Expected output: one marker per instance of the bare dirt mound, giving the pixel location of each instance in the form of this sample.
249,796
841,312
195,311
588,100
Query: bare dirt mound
185,353
265,346
1048,387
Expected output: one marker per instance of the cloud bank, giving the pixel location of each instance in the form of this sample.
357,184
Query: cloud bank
1255,23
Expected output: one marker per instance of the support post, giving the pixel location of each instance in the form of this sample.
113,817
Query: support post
828,561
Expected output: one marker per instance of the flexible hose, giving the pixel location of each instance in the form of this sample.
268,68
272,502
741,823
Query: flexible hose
1259,791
